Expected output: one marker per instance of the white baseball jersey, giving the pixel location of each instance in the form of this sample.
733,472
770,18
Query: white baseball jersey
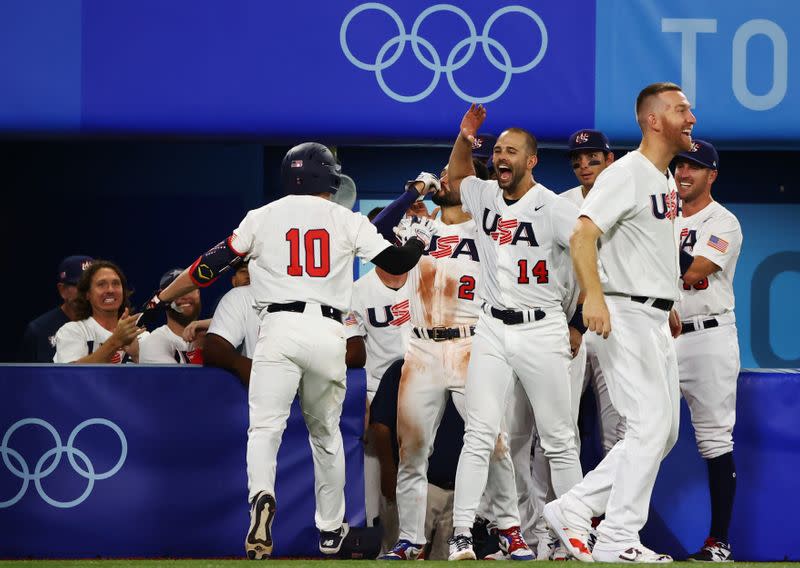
165,347
78,339
443,285
383,317
522,245
236,320
713,233
301,248
574,195
635,206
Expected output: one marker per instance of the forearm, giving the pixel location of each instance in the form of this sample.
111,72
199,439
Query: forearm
583,249
460,164
221,354
180,286
391,215
399,260
104,353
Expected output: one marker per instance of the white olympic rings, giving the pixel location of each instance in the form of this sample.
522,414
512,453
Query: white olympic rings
22,470
434,63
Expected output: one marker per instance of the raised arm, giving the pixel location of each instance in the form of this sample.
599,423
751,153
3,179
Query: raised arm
460,165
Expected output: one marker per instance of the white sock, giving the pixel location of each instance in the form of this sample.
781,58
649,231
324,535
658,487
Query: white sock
466,531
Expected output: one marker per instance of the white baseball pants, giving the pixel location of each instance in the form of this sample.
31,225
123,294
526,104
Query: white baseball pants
639,364
538,353
432,371
299,354
708,366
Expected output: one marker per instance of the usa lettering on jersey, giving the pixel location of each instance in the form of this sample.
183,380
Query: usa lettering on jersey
508,231
395,315
665,205
452,246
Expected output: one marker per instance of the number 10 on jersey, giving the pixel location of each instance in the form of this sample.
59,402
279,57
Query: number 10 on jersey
316,245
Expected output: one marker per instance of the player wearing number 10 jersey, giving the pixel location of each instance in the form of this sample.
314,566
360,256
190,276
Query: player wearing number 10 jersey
301,251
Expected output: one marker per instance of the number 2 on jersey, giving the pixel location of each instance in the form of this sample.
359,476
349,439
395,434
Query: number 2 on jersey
539,271
466,291
317,261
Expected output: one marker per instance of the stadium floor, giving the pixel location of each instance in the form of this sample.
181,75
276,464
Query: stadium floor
165,563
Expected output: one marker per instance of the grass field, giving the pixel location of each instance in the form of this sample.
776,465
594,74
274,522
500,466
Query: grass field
159,563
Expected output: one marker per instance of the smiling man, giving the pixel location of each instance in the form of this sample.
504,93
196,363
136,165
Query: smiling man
166,345
630,216
104,332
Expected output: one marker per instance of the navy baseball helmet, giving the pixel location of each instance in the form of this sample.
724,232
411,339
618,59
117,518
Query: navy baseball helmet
169,277
588,140
310,168
702,153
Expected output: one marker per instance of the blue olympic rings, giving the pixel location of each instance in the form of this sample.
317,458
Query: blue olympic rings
433,60
22,470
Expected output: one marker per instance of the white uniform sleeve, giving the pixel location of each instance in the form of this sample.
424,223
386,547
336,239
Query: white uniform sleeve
564,216
471,188
244,236
156,350
354,326
367,243
70,343
715,234
230,318
612,198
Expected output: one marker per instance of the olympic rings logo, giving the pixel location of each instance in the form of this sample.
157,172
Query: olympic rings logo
432,60
19,467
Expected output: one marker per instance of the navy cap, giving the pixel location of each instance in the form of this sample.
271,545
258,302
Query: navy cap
588,140
71,268
486,148
169,277
702,153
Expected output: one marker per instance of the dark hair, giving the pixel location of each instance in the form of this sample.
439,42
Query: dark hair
83,308
652,90
481,171
374,213
530,139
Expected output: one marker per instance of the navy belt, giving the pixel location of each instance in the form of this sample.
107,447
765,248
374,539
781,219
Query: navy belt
689,327
659,303
300,307
514,317
444,333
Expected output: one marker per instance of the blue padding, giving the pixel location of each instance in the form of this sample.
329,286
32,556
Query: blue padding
767,455
182,487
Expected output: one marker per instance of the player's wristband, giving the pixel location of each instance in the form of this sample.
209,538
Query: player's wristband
686,261
577,320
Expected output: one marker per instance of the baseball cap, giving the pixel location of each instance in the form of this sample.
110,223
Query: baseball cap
487,142
588,140
169,277
702,153
71,268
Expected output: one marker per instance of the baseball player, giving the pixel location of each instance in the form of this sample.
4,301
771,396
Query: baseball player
523,238
630,213
590,154
165,345
708,347
379,316
444,309
301,249
104,331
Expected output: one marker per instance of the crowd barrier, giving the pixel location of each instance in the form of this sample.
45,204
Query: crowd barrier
140,461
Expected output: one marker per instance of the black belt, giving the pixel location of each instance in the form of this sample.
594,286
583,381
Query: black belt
659,303
300,307
443,333
689,327
514,317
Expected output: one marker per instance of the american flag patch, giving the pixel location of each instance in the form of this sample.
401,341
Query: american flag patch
720,244
297,163
350,319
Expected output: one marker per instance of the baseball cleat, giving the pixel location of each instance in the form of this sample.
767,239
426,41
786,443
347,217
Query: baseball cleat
631,555
461,548
560,553
331,541
403,550
498,555
513,545
258,544
573,539
712,551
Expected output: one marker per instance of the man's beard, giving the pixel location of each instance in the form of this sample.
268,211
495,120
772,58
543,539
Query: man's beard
445,199
185,318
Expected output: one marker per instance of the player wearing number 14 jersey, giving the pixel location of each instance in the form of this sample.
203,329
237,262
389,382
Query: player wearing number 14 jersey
301,251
